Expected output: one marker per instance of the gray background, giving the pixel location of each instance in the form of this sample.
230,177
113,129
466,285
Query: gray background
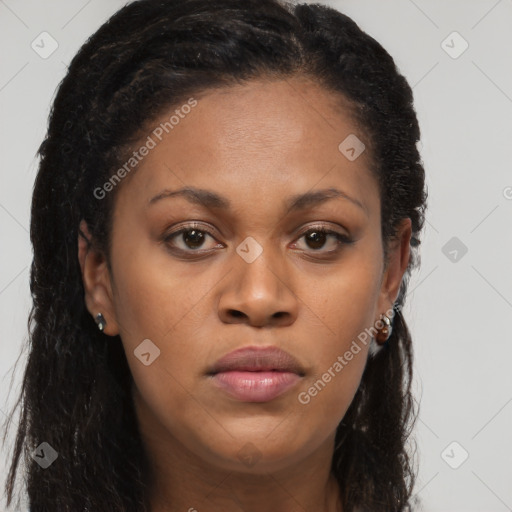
460,303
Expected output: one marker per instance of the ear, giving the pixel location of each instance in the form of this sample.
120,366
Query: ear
96,280
396,265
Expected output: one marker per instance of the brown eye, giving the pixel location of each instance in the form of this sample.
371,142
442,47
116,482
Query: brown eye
188,239
193,238
317,238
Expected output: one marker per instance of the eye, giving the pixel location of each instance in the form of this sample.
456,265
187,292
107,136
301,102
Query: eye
317,237
192,237
189,238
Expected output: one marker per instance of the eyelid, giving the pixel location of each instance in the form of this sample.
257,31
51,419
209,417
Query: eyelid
205,228
325,227
342,239
189,227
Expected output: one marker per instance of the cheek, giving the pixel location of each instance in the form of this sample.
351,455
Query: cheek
152,303
156,296
334,385
344,307
343,303
327,394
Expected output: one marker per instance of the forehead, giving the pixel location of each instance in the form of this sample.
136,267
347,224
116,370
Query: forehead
256,140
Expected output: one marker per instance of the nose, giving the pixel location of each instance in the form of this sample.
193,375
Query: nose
258,294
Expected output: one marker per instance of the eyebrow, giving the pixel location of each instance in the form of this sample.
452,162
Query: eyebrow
210,199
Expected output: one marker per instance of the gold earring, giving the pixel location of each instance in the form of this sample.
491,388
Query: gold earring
384,333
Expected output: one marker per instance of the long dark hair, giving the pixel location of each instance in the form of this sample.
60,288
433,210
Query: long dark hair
148,57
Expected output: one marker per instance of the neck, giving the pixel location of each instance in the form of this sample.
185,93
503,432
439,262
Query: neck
232,493
183,481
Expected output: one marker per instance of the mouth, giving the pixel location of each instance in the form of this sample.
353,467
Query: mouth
256,374
255,386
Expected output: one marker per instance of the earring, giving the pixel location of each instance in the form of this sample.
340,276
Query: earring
384,333
100,320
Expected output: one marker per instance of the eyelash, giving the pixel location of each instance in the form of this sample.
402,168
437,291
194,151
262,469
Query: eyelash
341,238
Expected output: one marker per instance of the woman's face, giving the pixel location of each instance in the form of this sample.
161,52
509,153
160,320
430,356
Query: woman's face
253,273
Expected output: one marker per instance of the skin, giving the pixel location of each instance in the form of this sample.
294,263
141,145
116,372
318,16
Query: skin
255,144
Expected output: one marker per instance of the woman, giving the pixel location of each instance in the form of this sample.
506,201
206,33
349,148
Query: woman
225,217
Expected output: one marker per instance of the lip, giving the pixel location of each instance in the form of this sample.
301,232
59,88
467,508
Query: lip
255,358
256,374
